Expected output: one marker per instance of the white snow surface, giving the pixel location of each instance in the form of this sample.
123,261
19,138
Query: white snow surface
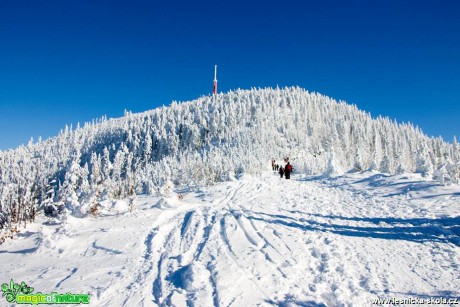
253,241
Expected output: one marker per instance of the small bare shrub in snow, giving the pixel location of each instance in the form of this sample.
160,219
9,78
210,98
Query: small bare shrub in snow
94,209
166,189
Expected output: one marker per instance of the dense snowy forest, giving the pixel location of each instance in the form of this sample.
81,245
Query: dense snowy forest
209,140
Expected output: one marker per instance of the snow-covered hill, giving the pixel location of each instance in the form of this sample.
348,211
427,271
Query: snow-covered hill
255,241
204,141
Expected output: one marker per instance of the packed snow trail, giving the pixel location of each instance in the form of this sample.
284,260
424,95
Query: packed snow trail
255,241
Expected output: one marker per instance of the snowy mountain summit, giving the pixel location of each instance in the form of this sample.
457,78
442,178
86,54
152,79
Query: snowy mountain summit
179,206
206,140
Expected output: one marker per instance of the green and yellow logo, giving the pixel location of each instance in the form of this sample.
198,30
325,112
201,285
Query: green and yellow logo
22,294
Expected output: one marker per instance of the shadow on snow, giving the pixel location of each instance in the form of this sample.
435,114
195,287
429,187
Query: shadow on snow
381,180
419,230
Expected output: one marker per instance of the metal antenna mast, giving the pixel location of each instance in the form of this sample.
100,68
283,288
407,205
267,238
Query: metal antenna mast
215,81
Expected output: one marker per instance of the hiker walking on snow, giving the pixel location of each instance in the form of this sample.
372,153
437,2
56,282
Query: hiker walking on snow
281,171
288,170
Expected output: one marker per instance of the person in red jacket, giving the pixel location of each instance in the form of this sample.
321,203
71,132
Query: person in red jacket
288,170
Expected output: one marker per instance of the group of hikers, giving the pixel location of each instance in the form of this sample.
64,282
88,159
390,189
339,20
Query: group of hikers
286,170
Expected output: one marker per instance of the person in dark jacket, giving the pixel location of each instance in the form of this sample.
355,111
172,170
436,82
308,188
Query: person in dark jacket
281,171
288,170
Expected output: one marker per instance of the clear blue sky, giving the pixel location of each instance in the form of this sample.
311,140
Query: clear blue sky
69,61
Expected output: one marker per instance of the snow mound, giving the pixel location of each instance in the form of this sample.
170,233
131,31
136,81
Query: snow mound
108,207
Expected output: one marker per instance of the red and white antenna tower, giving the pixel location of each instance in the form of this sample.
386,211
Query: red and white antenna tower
215,81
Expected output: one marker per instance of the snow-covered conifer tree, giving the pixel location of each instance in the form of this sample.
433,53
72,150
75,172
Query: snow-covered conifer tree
423,163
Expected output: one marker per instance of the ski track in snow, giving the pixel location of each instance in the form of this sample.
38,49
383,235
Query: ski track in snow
255,241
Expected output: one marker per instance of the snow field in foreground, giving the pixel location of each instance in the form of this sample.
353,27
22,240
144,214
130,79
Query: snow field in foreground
267,241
